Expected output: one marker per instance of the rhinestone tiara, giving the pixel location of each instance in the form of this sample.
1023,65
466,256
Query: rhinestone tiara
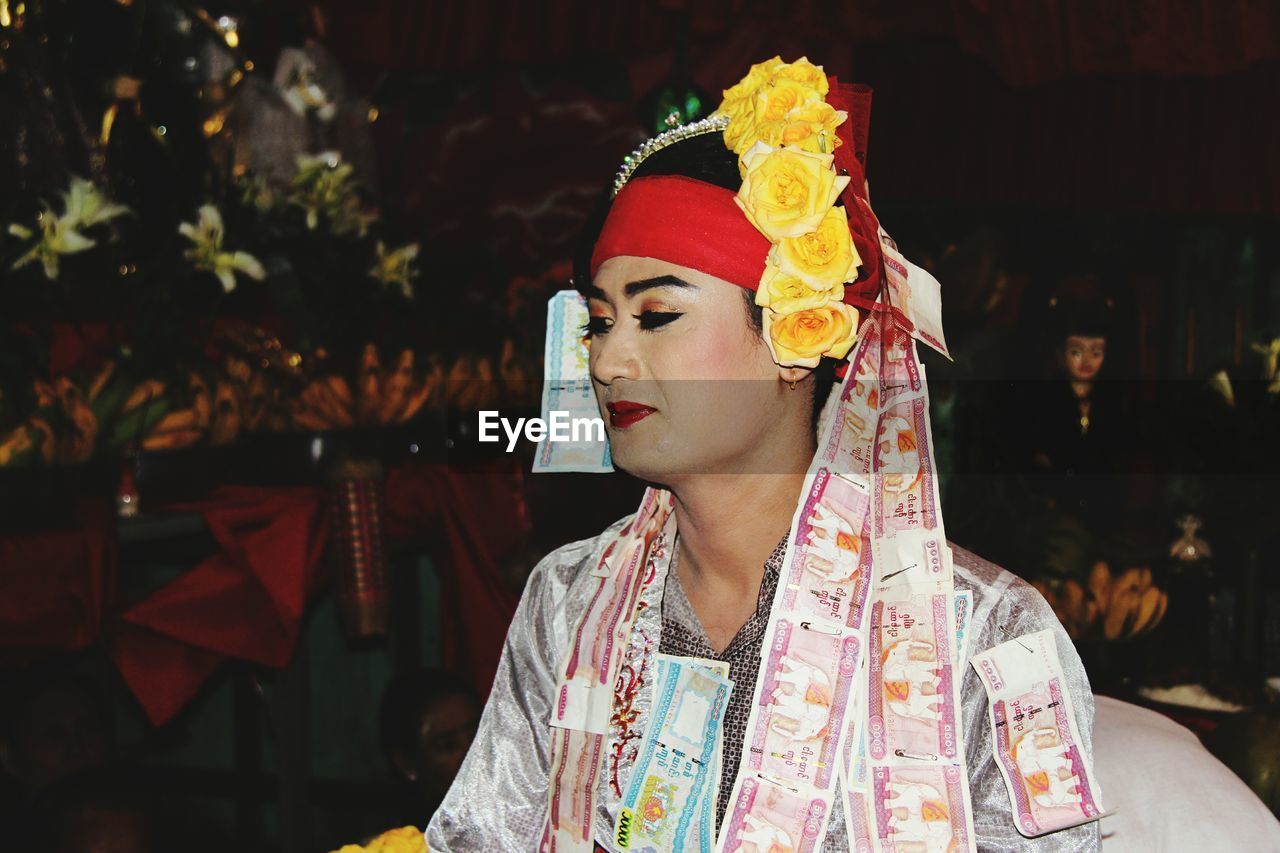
714,124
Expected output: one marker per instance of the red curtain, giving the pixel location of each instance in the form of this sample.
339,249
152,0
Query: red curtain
1028,43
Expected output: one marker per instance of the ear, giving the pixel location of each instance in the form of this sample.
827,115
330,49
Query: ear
792,375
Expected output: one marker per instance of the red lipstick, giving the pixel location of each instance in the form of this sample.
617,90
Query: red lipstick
625,413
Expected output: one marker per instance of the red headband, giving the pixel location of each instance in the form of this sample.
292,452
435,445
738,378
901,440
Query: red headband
695,224
687,222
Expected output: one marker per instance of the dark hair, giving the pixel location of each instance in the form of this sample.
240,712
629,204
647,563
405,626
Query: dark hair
704,158
407,698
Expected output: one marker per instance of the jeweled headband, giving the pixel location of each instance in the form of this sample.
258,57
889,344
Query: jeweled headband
794,246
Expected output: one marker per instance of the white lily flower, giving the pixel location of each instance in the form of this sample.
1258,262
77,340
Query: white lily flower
86,206
208,233
396,267
83,206
58,236
323,184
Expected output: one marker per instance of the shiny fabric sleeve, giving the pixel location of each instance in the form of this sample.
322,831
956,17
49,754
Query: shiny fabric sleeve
1006,608
498,800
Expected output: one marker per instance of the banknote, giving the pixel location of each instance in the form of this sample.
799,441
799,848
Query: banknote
912,703
857,819
765,817
905,491
847,441
915,298
1034,736
901,374
566,387
920,809
795,731
964,610
573,790
584,698
912,557
668,801
855,788
719,669
828,572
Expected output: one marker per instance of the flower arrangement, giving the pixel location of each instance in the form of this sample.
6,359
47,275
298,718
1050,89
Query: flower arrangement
783,131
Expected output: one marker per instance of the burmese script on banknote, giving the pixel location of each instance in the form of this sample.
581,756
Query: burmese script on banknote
1034,735
669,801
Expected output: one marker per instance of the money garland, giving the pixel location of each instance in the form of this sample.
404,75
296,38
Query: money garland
859,680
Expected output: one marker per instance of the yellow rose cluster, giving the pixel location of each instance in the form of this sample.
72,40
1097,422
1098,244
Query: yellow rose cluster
406,839
783,131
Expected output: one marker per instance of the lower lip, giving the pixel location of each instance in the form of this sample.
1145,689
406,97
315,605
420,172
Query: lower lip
622,420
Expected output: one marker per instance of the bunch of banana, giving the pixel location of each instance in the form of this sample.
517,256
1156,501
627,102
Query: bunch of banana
1113,607
381,396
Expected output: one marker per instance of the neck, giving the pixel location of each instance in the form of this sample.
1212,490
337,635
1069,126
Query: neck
729,525
1082,387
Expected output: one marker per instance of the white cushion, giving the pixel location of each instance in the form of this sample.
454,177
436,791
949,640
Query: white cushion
1168,792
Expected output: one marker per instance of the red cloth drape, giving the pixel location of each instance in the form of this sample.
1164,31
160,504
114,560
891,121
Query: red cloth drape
245,602
481,513
55,585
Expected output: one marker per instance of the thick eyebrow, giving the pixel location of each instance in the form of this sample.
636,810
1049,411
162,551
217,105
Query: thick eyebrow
639,286
652,283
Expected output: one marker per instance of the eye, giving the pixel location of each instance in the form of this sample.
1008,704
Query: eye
596,326
650,320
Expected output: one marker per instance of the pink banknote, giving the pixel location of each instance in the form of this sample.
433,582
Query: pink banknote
905,488
857,821
1048,777
765,818
829,572
921,809
911,696
848,442
900,374
795,731
918,557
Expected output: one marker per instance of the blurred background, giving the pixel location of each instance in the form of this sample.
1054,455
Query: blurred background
262,262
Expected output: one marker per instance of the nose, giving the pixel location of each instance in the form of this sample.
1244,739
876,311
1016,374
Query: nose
615,356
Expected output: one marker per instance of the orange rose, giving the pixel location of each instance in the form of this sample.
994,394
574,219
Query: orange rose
803,338
821,258
786,294
786,192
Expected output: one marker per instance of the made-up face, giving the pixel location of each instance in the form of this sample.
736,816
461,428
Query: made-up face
1083,356
684,381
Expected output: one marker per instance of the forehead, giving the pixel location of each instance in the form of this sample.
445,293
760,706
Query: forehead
1086,340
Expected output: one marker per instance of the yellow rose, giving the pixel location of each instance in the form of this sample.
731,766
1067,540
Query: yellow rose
821,259
759,74
804,71
786,294
786,192
778,98
803,338
809,127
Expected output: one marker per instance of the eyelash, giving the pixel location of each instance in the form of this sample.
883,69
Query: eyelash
649,321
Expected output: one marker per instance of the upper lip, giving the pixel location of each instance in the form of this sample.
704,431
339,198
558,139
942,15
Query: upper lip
622,407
